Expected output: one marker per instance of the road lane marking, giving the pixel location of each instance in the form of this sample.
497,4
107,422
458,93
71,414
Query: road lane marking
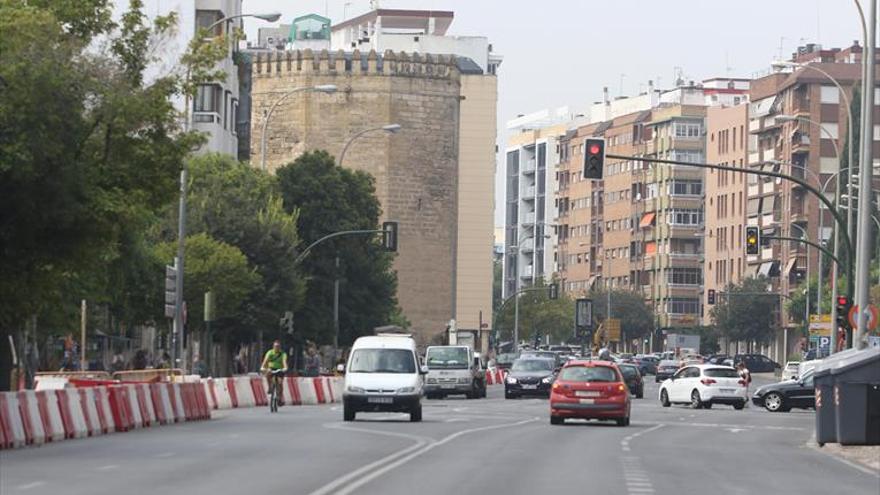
635,477
108,467
624,444
31,485
368,473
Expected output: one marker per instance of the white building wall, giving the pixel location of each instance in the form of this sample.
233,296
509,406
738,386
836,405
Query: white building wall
221,133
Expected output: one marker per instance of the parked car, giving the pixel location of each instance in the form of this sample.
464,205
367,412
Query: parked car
590,390
785,395
530,376
790,371
704,385
633,379
666,369
757,363
717,359
383,375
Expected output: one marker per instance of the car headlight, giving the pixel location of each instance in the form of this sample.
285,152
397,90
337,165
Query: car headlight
355,390
406,390
547,379
511,380
464,380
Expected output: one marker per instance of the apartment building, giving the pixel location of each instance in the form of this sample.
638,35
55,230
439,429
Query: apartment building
530,212
214,110
725,201
798,123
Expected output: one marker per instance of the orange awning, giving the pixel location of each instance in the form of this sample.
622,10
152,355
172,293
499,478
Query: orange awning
647,220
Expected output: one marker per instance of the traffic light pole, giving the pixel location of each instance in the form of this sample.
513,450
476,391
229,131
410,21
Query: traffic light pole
769,173
807,242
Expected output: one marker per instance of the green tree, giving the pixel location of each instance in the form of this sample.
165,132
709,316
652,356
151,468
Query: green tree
539,313
747,311
241,206
215,266
636,316
332,199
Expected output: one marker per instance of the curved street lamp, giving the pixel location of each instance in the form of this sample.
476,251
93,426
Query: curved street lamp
322,88
389,128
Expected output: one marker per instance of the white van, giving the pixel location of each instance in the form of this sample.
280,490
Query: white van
383,374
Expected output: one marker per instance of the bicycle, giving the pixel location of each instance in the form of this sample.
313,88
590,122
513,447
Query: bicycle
274,382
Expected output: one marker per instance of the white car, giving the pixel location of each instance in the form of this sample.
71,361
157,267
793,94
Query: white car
383,374
790,372
702,385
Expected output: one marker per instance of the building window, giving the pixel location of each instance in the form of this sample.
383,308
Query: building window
205,18
830,129
685,188
688,130
684,276
234,117
682,306
207,103
684,217
829,94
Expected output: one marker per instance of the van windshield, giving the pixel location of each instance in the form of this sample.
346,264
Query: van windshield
447,357
382,361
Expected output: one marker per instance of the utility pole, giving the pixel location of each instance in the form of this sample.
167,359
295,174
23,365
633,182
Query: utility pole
82,346
866,162
336,309
177,330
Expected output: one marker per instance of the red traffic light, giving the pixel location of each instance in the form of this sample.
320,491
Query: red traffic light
842,300
595,149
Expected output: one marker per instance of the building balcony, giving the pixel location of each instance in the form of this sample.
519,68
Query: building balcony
528,193
528,218
800,143
526,272
528,167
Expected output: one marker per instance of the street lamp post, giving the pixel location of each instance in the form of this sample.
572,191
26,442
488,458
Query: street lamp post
322,88
806,293
390,128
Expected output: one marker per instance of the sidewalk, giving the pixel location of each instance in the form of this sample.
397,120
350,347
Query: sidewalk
867,456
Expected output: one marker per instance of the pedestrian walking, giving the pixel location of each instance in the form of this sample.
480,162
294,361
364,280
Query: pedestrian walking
746,376
313,362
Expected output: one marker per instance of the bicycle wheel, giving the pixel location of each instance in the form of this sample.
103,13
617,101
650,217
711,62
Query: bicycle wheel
273,405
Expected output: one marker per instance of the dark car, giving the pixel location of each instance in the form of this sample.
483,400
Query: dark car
665,369
756,363
783,396
530,376
717,359
544,355
647,364
504,360
633,379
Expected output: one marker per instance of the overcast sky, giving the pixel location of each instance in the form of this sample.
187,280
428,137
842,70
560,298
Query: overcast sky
562,52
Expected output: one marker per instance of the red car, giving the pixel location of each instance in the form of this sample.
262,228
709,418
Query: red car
589,390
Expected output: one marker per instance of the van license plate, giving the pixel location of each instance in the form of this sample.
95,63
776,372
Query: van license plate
380,400
447,386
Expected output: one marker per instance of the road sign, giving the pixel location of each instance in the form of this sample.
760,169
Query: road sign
824,342
583,314
871,313
820,325
612,326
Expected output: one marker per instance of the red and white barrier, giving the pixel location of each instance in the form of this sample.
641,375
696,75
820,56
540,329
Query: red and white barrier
292,394
102,406
89,411
244,392
308,393
29,409
210,393
176,402
12,433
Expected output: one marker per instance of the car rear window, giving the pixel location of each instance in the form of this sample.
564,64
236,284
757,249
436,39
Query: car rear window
629,371
588,374
721,373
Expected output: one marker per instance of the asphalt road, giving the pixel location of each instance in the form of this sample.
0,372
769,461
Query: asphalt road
484,446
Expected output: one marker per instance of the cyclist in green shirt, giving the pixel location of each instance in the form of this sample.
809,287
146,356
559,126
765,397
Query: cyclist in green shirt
274,360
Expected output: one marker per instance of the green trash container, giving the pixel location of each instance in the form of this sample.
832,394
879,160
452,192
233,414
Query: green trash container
856,396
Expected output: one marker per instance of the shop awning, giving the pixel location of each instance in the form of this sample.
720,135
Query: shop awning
650,247
765,268
790,265
647,219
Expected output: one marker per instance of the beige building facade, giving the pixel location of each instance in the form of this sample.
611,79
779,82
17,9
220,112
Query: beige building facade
416,170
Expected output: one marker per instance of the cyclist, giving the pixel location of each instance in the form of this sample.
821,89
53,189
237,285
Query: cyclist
274,360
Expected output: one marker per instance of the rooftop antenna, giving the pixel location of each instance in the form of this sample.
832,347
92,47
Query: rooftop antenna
620,91
781,47
374,4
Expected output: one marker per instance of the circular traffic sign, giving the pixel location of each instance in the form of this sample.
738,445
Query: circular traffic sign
871,312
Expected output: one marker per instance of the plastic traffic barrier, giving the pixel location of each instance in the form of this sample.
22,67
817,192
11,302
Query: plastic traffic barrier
307,391
210,393
244,392
50,413
13,434
134,407
89,411
176,401
292,397
71,413
105,413
259,385
30,417
318,384
233,393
